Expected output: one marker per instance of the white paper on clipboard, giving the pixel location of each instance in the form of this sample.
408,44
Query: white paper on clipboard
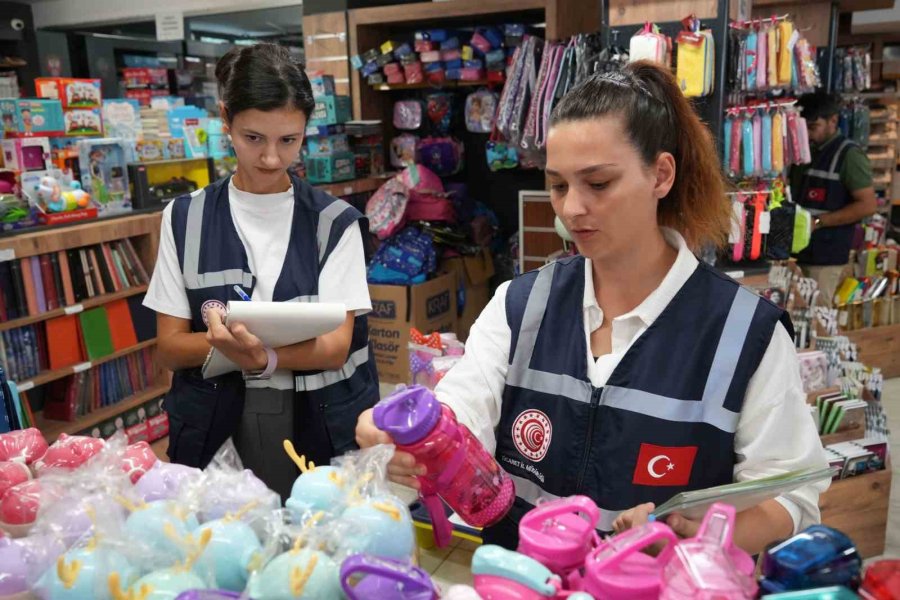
277,324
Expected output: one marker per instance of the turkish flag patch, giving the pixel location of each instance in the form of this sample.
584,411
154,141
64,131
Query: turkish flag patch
815,195
664,465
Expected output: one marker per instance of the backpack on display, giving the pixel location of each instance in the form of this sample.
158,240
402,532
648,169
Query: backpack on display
408,114
427,198
386,209
443,155
481,106
403,150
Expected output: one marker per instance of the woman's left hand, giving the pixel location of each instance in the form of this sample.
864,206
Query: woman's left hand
236,343
682,526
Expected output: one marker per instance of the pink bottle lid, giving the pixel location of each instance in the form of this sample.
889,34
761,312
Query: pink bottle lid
560,533
618,569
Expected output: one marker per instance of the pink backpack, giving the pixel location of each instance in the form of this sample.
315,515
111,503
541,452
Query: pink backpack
386,209
427,199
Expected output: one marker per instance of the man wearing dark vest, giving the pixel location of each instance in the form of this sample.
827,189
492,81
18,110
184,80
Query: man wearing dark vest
836,188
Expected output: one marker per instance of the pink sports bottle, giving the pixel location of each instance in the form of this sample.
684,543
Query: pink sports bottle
459,469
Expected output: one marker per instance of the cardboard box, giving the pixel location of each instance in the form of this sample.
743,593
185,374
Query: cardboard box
430,306
32,116
328,144
473,279
330,110
330,168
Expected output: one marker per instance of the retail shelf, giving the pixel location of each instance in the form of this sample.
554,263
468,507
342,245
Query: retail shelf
14,64
389,87
53,429
74,309
45,377
354,186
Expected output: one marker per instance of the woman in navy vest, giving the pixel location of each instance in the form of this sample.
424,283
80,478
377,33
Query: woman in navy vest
266,234
633,371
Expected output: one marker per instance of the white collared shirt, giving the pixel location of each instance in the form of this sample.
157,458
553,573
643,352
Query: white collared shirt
775,433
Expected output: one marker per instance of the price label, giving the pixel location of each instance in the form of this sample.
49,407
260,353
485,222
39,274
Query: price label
24,387
7,254
82,367
74,309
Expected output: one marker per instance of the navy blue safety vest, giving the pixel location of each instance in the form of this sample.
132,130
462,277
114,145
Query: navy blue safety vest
822,192
664,422
205,413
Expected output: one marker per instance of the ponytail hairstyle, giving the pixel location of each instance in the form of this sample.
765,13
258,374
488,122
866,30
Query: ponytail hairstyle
265,77
658,118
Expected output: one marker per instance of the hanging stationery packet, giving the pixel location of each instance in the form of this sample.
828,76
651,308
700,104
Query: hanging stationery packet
809,73
766,144
481,106
529,129
805,152
785,51
777,142
762,59
757,143
691,72
795,75
726,144
772,59
735,154
750,223
751,63
648,44
710,63
760,225
802,229
408,114
793,138
547,96
738,229
781,226
747,145
480,42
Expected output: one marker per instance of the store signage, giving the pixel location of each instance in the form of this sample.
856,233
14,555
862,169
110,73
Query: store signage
169,26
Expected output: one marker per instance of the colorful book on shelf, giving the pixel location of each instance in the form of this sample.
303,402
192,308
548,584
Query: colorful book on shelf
8,291
63,344
120,325
48,282
130,270
30,290
120,269
5,418
66,277
86,273
38,284
18,282
99,283
95,333
56,273
111,268
136,261
143,318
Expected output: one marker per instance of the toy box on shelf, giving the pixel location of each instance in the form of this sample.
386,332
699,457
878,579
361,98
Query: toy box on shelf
56,198
14,210
83,121
72,93
31,116
155,183
103,164
26,154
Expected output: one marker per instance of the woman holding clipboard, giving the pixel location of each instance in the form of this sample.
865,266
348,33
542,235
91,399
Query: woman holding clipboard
267,235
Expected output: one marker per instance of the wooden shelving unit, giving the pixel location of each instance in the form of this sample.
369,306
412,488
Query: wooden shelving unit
859,506
143,231
45,377
74,309
52,429
354,186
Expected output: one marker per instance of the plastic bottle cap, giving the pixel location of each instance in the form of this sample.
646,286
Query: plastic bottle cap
408,415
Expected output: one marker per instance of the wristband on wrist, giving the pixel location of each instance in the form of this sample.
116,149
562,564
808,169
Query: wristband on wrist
266,373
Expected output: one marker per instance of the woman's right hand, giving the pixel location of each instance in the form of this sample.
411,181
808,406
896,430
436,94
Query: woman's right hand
403,468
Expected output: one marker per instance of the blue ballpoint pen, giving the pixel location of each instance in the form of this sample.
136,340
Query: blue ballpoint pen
242,294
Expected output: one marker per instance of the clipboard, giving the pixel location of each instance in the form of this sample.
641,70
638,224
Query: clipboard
276,324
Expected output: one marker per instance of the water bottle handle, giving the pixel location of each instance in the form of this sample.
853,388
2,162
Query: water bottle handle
652,532
578,505
367,565
443,529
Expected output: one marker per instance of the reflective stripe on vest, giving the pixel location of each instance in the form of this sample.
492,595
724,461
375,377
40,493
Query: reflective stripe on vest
710,410
308,383
327,218
193,235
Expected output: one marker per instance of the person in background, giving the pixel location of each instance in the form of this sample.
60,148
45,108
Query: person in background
836,188
269,236
633,371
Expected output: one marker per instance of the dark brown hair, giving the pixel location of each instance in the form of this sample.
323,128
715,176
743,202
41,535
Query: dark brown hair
264,77
658,118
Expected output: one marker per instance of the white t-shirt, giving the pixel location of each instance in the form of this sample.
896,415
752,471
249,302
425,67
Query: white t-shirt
775,433
263,222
